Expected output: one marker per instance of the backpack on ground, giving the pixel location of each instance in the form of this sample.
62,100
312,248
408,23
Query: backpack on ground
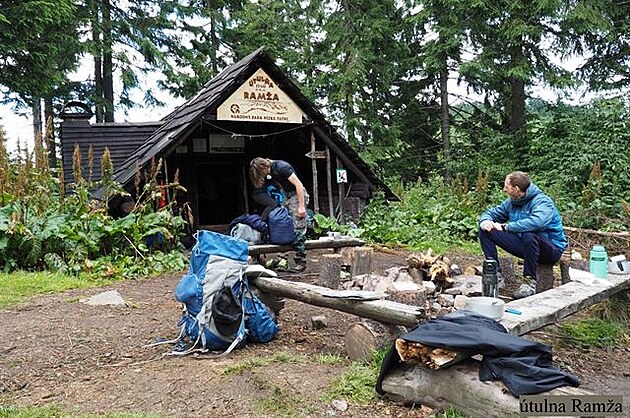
281,229
220,312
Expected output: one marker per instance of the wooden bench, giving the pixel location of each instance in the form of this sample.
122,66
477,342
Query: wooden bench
315,244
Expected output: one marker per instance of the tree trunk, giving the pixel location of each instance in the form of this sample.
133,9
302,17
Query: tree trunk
330,270
37,119
517,96
385,311
365,337
457,386
108,65
98,62
446,142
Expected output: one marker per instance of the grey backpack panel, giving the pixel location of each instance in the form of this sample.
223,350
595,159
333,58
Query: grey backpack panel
246,233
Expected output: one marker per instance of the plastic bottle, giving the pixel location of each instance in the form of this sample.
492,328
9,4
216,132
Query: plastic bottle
598,262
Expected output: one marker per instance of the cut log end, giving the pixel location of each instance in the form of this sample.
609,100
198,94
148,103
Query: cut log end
363,338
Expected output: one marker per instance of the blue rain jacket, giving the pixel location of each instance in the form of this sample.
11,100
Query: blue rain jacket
534,212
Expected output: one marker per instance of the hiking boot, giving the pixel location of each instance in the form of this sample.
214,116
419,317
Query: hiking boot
526,289
300,265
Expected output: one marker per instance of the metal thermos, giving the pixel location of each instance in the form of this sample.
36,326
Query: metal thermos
489,278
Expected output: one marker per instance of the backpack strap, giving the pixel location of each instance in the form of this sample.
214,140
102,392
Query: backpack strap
241,333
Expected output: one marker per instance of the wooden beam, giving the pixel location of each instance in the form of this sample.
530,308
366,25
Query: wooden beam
339,152
331,209
385,311
245,191
314,169
341,187
552,305
316,244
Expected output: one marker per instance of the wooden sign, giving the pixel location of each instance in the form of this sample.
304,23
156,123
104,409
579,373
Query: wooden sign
316,155
260,99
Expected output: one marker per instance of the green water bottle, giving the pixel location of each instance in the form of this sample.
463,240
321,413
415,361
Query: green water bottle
598,262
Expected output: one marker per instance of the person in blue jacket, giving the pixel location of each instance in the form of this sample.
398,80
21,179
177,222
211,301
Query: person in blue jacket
527,225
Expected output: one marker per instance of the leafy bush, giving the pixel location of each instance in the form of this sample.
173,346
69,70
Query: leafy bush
47,224
428,214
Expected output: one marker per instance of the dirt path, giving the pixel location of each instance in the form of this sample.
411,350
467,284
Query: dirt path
56,350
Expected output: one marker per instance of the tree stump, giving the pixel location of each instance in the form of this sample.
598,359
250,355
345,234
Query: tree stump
507,269
363,338
361,260
330,270
545,277
358,258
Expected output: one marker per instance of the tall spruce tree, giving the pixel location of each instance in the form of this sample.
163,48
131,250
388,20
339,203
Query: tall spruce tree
600,30
513,46
39,45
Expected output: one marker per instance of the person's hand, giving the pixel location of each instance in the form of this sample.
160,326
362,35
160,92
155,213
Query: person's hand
487,225
497,226
301,213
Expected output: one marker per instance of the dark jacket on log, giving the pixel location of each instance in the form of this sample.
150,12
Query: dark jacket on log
524,366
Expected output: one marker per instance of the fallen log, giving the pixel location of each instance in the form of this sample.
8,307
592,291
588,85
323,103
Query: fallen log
385,311
457,386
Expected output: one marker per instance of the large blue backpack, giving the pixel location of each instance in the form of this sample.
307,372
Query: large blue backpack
220,311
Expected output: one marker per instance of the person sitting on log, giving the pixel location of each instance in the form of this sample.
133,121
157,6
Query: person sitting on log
527,225
264,172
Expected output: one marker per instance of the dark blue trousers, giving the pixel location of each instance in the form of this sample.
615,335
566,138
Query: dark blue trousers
532,248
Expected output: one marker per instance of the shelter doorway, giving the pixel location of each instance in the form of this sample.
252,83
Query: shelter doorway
219,199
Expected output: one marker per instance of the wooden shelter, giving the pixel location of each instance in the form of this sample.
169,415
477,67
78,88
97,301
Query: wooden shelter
251,109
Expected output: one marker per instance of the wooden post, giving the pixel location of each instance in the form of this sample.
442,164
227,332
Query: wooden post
245,192
314,169
330,270
331,209
545,277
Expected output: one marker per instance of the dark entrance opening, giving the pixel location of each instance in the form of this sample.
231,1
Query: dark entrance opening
218,186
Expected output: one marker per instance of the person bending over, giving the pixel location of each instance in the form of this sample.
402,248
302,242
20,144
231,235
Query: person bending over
527,225
264,173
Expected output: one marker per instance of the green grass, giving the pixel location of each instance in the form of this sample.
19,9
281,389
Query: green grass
328,359
451,413
356,384
19,286
593,332
53,411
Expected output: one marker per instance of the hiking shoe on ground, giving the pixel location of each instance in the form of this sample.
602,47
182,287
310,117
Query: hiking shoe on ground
298,268
524,291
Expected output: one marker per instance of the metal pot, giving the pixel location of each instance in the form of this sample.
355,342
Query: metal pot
487,306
